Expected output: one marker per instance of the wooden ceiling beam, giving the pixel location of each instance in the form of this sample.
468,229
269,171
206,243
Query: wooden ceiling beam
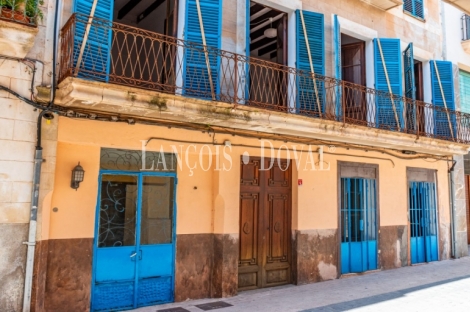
149,10
127,8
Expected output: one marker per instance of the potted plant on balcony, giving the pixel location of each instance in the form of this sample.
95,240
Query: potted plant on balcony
32,10
13,10
23,11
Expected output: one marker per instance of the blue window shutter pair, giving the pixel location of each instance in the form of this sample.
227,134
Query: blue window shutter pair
386,116
414,7
196,80
96,55
443,121
306,94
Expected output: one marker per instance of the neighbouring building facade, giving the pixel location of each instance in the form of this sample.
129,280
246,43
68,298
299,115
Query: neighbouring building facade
199,148
457,50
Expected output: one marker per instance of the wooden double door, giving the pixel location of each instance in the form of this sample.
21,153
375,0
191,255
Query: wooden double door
265,224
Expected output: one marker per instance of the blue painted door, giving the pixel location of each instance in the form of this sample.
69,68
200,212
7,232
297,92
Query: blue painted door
423,222
358,225
134,248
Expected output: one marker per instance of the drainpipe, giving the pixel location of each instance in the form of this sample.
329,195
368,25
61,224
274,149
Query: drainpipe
28,282
452,212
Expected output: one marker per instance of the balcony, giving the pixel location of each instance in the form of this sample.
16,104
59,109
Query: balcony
463,5
18,21
136,58
384,4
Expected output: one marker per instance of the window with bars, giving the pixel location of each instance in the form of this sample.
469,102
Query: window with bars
464,78
465,27
414,7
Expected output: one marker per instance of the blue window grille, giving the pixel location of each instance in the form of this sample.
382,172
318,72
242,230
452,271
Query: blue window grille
414,7
423,222
358,225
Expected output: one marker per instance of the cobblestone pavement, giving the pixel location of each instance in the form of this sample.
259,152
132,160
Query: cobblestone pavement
437,286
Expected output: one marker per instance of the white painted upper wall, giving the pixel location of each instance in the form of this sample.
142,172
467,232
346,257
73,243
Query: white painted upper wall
453,37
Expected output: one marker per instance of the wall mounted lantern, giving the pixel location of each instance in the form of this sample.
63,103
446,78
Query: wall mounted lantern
77,176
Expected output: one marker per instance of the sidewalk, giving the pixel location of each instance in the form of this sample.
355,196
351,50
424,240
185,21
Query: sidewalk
437,286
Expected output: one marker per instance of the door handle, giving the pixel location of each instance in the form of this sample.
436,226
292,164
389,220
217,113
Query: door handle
133,255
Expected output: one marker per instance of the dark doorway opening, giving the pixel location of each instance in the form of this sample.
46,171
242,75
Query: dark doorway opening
141,53
153,15
267,42
418,69
353,67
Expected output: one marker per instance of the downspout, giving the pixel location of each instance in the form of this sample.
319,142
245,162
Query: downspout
452,212
28,282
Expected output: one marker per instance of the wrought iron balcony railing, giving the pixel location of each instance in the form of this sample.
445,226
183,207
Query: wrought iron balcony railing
125,55
21,11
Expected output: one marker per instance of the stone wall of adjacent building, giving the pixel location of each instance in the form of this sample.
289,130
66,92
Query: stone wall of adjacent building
18,122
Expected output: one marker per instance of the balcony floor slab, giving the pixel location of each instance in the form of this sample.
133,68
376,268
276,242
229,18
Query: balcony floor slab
136,103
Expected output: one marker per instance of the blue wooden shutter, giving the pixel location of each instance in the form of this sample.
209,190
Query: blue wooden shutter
441,118
96,56
410,88
414,7
464,91
337,40
408,62
338,65
306,98
385,115
196,81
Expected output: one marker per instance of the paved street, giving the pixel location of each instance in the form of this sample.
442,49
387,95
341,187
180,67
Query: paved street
438,286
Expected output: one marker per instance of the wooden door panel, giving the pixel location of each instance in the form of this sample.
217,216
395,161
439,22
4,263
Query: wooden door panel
265,225
249,205
277,234
250,173
276,276
279,177
248,266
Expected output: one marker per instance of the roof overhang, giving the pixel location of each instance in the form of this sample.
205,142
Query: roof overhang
384,4
463,5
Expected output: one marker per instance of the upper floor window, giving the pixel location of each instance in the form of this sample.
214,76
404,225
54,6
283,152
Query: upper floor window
465,27
414,7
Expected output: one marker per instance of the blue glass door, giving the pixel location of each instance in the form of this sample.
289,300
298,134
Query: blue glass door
423,222
133,263
358,225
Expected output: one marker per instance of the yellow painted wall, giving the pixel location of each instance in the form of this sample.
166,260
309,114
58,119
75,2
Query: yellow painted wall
214,206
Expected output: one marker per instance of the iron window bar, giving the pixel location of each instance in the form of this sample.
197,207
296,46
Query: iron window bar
465,27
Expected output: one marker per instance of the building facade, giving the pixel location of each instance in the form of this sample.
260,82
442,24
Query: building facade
458,52
237,145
